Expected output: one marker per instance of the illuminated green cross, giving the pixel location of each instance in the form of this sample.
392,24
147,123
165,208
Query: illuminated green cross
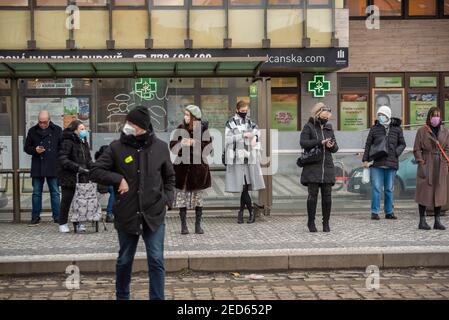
319,86
145,88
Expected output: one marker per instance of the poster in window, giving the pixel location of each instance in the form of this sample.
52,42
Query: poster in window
34,105
419,106
76,108
446,106
215,109
392,98
353,112
284,112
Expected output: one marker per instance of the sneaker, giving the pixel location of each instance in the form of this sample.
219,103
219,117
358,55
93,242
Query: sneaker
109,218
64,228
35,222
80,228
391,216
374,216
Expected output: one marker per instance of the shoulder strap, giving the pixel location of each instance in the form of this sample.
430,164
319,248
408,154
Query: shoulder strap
438,144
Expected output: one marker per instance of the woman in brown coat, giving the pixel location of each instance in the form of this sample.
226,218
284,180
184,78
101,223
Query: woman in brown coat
192,144
432,172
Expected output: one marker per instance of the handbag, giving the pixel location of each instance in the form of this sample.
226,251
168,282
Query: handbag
380,150
85,205
310,156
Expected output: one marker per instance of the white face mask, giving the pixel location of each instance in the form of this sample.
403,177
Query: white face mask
187,119
129,130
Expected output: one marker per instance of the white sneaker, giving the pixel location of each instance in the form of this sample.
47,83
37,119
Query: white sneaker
64,228
81,228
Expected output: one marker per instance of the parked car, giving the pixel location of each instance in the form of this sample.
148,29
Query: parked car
405,182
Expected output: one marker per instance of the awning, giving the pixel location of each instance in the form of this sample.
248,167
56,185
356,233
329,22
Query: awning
136,67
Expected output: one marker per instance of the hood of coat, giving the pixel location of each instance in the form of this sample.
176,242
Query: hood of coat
327,126
395,122
71,135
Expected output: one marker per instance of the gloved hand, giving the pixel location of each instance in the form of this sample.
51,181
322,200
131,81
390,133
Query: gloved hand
83,170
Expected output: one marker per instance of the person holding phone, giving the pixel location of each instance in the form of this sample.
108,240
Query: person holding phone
42,143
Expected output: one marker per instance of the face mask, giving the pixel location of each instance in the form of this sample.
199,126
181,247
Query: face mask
322,121
242,114
129,130
187,119
383,119
435,121
83,134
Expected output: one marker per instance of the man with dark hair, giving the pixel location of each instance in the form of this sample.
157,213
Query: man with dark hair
138,165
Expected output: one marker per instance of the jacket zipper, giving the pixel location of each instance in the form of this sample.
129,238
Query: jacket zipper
324,156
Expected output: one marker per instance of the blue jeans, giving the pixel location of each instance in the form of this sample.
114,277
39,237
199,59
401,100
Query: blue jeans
111,200
38,186
154,244
381,177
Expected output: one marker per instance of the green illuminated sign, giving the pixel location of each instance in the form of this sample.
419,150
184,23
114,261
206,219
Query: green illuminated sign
253,90
145,88
319,86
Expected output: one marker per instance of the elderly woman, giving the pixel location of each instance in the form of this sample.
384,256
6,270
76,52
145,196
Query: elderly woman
430,150
317,132
192,170
242,157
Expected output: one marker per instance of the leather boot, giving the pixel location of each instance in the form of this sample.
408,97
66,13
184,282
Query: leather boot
423,223
183,216
438,225
252,216
198,215
240,216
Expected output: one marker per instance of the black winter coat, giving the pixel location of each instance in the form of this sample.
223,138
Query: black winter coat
396,143
324,170
46,163
74,154
190,176
148,170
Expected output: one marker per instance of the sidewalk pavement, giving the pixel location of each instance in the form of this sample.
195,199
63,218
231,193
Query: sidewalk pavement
276,242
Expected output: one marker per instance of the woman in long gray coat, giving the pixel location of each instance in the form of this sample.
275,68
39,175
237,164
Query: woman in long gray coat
242,152
432,171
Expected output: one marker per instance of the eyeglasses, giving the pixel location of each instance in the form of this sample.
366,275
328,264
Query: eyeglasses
326,109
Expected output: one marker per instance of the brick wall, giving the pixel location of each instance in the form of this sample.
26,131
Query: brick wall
399,45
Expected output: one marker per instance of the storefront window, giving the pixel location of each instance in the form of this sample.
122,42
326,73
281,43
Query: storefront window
422,8
388,82
91,3
15,3
246,2
357,8
420,103
207,28
129,2
389,7
168,3
446,106
284,112
169,28
353,112
52,3
207,3
319,3
284,82
446,82
423,82
446,7
281,2
393,98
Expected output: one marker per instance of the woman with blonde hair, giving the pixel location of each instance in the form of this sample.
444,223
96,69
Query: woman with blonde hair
320,174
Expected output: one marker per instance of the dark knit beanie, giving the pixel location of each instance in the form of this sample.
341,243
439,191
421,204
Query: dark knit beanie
140,116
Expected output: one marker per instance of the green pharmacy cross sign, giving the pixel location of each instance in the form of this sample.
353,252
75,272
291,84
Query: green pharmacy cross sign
145,88
319,86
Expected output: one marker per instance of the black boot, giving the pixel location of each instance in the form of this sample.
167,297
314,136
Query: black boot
240,216
198,215
311,222
252,216
326,227
438,225
183,216
422,221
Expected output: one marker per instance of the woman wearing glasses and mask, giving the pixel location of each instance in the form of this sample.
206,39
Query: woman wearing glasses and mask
317,132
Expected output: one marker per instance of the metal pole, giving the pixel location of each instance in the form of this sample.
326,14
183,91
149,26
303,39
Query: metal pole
15,149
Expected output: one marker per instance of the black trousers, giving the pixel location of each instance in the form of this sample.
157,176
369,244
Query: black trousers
326,200
66,201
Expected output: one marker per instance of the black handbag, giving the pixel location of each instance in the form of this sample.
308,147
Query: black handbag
310,156
379,150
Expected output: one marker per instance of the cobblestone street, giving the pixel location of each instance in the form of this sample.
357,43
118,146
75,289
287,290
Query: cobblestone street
314,285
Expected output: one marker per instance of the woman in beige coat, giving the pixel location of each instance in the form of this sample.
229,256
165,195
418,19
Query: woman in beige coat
432,172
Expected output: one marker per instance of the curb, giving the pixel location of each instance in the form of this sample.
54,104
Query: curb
251,260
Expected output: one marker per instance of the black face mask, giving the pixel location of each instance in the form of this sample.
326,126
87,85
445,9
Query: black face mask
322,121
242,114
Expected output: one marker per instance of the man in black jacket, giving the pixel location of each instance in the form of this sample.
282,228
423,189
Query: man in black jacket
43,142
139,167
